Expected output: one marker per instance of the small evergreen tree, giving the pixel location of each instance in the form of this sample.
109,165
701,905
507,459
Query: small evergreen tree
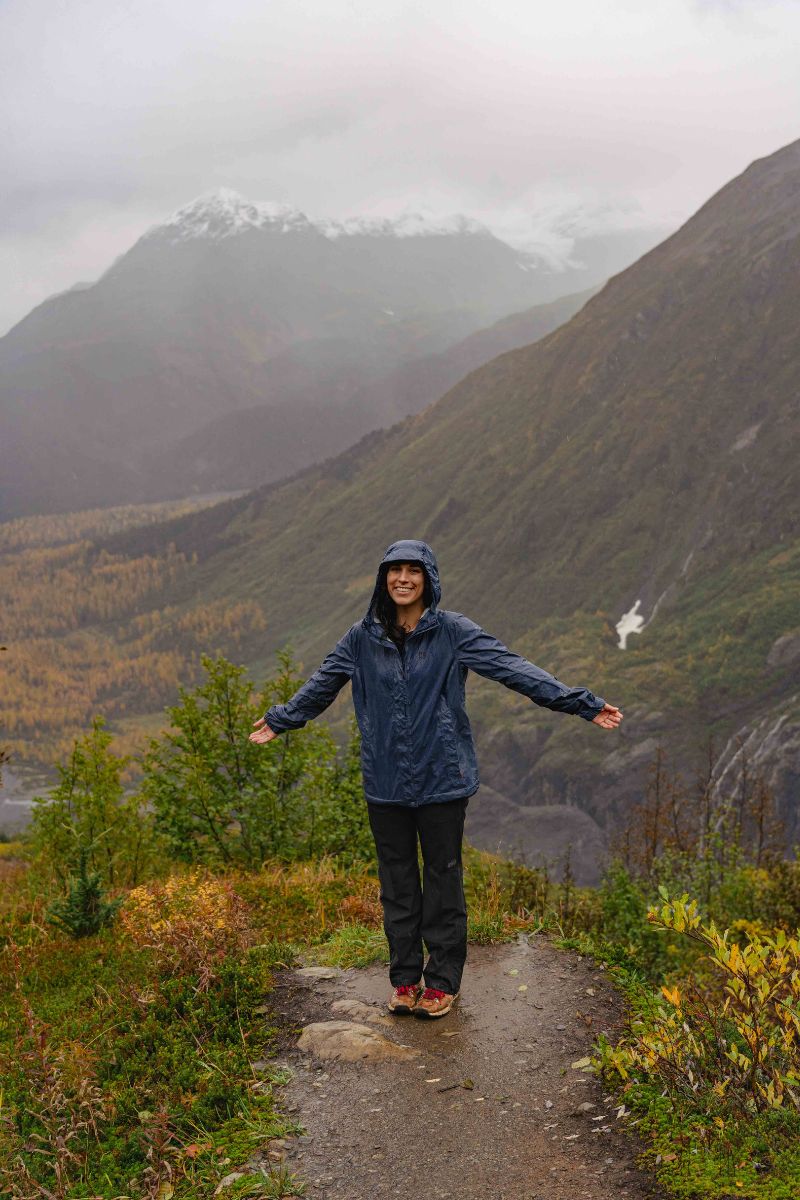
84,910
220,799
89,813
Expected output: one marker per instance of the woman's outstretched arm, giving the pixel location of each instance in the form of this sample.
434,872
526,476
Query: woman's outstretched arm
313,697
484,654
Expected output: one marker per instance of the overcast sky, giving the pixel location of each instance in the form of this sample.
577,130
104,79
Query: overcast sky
539,118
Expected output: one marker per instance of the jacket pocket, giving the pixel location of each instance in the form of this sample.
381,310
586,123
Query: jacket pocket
449,738
367,750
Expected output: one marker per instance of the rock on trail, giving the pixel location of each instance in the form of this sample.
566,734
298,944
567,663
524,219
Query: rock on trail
484,1103
347,1041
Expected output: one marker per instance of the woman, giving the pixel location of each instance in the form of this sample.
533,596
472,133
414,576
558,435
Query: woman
407,661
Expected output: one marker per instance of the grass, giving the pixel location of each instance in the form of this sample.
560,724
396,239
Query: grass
184,1083
158,1072
757,1158
172,1066
351,946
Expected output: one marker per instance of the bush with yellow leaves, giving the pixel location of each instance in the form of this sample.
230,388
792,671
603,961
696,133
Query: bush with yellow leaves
190,922
729,1048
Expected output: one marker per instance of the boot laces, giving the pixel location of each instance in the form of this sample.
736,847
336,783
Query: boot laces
433,994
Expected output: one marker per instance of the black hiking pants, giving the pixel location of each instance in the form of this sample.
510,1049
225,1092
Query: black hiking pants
434,912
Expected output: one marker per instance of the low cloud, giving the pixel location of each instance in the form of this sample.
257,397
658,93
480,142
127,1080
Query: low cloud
543,121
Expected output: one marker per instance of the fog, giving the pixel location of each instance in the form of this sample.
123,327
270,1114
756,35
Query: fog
542,120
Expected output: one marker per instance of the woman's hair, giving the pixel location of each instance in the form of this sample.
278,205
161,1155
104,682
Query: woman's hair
386,609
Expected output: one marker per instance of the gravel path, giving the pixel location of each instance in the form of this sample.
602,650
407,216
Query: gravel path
487,1108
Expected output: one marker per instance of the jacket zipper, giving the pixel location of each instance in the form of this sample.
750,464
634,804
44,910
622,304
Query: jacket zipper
388,642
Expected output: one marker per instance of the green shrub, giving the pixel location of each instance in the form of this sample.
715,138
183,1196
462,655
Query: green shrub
624,902
223,800
710,1067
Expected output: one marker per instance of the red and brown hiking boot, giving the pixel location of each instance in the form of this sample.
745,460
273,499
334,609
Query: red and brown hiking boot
434,1003
403,999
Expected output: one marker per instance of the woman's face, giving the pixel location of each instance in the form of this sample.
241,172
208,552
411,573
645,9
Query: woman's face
405,582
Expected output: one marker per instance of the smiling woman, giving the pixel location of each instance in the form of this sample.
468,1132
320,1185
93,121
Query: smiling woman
407,661
402,600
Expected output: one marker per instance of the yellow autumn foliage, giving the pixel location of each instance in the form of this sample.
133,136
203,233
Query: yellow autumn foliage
189,922
734,1044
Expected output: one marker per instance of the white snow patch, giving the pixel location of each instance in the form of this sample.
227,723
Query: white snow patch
389,312
225,213
630,622
746,438
409,224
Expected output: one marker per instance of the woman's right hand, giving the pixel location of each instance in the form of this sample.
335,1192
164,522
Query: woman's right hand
263,733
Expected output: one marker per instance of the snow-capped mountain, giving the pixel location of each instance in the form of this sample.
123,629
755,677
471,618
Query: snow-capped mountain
231,305
224,213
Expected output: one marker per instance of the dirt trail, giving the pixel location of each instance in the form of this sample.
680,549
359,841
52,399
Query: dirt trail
386,1129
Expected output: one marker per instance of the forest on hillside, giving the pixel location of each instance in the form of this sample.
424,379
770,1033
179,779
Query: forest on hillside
88,631
106,616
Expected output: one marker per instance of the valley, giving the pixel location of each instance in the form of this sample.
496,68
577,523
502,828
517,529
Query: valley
235,343
638,459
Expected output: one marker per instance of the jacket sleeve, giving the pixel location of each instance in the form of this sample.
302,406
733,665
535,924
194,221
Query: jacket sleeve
480,652
318,692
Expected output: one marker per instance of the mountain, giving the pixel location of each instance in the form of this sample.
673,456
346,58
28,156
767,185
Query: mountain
643,452
651,427
640,460
228,306
261,444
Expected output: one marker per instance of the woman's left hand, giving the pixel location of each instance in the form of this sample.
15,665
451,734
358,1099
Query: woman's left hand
609,717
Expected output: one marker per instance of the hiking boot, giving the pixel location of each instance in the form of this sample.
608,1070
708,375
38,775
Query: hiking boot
434,1003
403,999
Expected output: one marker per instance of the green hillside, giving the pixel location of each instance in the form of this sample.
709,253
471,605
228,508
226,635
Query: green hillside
642,451
640,446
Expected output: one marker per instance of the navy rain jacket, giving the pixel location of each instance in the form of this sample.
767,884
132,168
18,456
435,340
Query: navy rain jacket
416,743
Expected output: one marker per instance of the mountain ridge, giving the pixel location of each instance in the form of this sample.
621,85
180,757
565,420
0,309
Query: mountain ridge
178,334
642,451
224,212
255,445
627,334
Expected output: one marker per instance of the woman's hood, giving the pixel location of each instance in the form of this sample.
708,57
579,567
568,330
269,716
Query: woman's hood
410,550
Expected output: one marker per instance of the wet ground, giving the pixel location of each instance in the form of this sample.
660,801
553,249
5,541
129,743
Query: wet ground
490,1108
